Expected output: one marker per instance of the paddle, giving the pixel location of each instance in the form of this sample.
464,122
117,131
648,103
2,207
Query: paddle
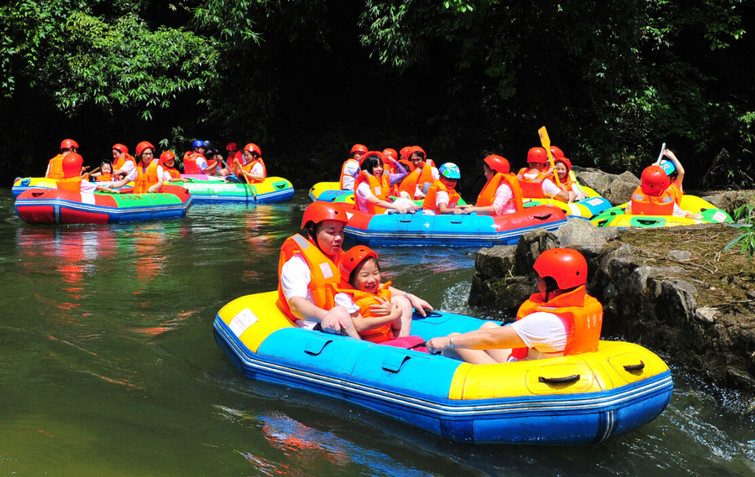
546,142
247,183
660,156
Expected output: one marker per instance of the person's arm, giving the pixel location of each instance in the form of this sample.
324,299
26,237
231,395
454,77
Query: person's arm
418,303
498,337
363,324
255,174
679,169
552,190
399,175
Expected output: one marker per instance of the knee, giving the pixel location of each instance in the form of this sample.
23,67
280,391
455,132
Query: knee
490,324
403,302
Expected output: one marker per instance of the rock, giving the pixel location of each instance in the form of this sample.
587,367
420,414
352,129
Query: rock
680,254
617,189
730,200
706,314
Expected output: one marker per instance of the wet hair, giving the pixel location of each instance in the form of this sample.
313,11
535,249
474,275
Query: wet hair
370,162
355,270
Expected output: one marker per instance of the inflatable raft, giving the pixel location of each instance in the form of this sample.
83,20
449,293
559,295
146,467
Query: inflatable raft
470,230
582,399
53,206
22,184
587,208
328,191
215,190
616,216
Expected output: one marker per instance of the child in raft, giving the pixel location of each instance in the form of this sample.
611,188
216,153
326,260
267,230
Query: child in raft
372,188
105,174
441,197
380,318
675,171
653,196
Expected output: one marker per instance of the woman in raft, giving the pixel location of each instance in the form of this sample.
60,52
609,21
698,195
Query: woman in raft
567,189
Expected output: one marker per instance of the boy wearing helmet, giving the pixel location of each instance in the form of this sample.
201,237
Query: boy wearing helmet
54,166
350,167
653,196
501,193
675,171
532,176
441,197
561,319
195,161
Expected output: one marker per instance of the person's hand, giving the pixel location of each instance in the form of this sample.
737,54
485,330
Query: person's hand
400,210
436,345
331,323
384,307
419,304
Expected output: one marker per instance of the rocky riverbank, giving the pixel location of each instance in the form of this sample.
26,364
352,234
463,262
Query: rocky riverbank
673,290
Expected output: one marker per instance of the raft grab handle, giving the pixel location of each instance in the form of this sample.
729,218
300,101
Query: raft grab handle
566,379
543,217
316,346
394,362
634,367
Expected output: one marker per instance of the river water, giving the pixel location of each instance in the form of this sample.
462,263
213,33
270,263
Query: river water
108,366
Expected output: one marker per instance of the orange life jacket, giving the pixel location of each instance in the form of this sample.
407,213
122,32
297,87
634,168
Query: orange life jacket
174,173
190,163
675,192
364,300
643,204
248,168
121,161
146,178
583,312
487,195
72,184
380,188
343,169
432,194
532,187
55,169
324,275
417,178
105,177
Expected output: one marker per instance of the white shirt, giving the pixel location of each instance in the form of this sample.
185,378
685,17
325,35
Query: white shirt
257,169
551,190
545,334
350,172
295,279
363,193
201,164
128,166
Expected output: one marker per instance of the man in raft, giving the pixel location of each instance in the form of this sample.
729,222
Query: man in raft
561,319
54,167
308,275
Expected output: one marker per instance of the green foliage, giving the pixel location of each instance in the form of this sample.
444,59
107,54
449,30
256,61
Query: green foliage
745,219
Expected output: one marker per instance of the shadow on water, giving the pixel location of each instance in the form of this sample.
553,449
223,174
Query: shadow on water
108,367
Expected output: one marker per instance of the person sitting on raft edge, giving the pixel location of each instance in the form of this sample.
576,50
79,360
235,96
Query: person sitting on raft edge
561,319
308,275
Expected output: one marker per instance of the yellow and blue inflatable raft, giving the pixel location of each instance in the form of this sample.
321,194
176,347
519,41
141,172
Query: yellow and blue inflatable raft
583,399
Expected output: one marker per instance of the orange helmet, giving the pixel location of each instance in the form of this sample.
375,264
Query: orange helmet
71,164
253,148
557,152
360,148
120,148
142,146
405,152
68,144
389,152
565,265
654,180
566,162
167,156
353,258
319,211
498,163
372,153
231,146
419,150
537,155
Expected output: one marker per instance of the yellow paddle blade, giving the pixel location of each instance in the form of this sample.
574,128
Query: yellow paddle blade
546,142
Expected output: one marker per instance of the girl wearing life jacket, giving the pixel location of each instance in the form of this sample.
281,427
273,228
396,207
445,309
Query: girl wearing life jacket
168,163
54,166
350,167
372,188
254,167
532,176
653,196
561,319
423,174
148,176
569,190
501,193
442,197
105,174
123,162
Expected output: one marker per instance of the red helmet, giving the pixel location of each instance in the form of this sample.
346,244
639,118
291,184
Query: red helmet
167,156
120,148
71,164
654,180
556,152
418,150
537,155
68,144
405,152
231,146
565,265
142,146
389,152
252,147
371,153
498,163
566,162
360,148
319,211
353,258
